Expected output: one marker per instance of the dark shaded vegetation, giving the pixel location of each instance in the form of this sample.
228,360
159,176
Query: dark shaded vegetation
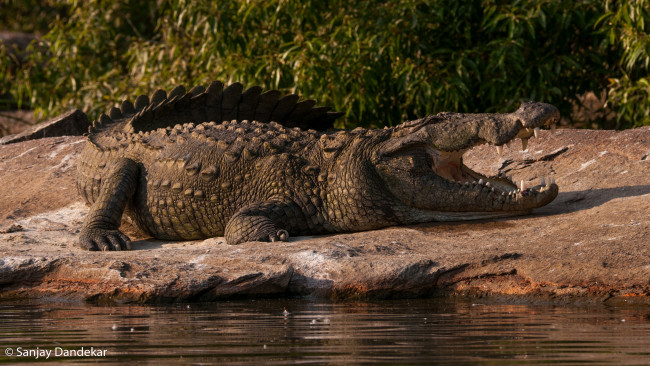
381,62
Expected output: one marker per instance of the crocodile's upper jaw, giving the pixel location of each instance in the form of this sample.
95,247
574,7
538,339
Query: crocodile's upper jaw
434,181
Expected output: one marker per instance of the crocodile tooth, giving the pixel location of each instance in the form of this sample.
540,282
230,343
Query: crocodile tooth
553,127
500,150
536,131
488,184
552,180
524,144
542,183
509,144
480,181
523,185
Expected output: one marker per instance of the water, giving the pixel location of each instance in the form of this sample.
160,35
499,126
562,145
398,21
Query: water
278,332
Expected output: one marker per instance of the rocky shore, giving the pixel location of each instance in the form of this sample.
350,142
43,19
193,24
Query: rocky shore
591,244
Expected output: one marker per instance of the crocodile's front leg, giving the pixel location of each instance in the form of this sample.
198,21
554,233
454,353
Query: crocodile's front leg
100,229
264,221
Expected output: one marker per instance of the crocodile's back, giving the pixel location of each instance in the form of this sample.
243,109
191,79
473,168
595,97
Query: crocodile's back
193,178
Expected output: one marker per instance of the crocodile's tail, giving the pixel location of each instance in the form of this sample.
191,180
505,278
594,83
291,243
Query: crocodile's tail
216,103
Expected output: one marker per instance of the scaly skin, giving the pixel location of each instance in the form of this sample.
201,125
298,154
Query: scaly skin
258,181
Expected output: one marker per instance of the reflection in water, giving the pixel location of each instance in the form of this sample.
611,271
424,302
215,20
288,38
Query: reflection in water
252,332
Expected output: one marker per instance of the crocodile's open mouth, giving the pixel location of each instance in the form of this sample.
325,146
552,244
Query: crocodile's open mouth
424,165
450,166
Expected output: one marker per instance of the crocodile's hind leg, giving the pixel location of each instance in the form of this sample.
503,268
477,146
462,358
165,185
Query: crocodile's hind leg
264,221
100,229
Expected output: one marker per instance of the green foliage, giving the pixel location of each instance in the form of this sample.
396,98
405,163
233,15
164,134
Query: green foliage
381,62
627,24
30,16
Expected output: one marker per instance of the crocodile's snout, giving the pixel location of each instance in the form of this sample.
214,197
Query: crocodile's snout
534,114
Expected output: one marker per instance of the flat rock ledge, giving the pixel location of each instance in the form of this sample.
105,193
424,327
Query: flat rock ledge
591,244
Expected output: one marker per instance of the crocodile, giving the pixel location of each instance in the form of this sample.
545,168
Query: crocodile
253,166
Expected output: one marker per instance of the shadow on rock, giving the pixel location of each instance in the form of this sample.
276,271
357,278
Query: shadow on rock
147,244
567,202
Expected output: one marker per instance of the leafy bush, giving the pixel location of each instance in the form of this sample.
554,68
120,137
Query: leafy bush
381,62
31,16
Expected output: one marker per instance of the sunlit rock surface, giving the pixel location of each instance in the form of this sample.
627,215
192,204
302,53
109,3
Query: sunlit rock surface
591,244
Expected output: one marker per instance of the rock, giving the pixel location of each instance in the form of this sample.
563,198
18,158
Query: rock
73,123
591,244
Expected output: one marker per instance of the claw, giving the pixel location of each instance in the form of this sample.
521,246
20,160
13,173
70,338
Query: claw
104,240
283,235
280,235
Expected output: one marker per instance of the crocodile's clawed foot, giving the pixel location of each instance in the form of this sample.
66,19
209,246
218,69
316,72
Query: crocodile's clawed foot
280,235
102,239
